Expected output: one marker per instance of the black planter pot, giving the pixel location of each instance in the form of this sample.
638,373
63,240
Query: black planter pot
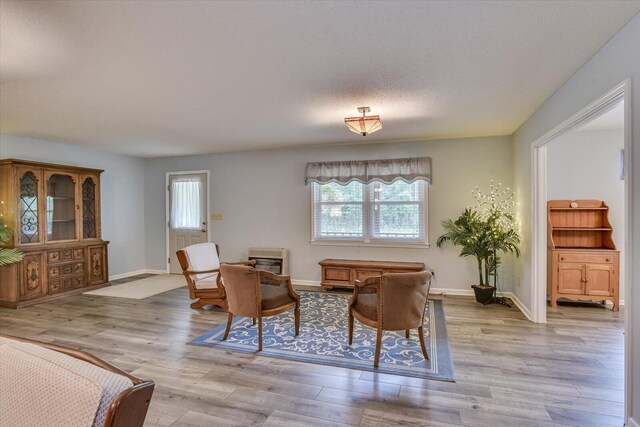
484,294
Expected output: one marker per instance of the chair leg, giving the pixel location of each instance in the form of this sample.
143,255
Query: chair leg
407,333
259,333
378,345
350,328
254,321
226,332
296,315
421,338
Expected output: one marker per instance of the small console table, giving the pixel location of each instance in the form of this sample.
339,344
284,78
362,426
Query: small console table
344,272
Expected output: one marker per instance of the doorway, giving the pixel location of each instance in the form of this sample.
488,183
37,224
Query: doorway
539,155
187,213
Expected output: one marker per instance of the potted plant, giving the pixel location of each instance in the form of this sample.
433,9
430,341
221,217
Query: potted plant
485,232
7,255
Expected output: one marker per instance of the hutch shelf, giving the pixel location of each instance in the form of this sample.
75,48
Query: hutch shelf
54,211
582,260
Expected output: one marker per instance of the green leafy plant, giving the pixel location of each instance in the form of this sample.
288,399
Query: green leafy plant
485,231
7,255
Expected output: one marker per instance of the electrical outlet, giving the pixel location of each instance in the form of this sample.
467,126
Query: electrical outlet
217,216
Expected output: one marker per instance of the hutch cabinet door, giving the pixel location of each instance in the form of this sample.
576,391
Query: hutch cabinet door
90,191
62,208
29,222
97,265
599,280
33,283
571,278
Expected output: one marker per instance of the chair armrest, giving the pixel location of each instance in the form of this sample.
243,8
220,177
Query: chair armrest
250,263
214,270
278,278
366,286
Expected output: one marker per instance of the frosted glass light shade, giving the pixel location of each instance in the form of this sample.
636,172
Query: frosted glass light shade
364,125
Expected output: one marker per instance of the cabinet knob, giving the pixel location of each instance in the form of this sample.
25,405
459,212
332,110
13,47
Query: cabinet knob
561,258
606,260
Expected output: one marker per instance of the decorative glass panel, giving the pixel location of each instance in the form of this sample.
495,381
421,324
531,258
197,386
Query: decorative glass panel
61,208
89,209
29,209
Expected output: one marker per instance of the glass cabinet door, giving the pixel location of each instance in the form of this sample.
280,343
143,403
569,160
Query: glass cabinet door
28,221
61,207
89,213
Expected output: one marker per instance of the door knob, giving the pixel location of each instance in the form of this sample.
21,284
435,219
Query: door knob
203,230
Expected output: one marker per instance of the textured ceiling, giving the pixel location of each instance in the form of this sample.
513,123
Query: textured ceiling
174,78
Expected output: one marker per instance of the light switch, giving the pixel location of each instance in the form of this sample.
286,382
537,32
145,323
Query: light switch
217,216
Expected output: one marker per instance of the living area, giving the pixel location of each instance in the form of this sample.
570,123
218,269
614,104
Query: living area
232,263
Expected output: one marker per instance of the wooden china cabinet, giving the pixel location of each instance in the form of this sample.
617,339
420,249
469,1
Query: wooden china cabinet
54,211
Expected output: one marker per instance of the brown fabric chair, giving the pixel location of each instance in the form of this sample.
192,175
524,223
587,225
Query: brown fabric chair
201,268
256,293
391,302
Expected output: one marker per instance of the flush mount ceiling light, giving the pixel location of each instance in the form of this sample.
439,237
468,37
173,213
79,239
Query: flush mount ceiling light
364,125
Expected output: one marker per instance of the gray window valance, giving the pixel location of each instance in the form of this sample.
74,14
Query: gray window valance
366,171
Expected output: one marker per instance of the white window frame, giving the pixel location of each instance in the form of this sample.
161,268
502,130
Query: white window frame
367,240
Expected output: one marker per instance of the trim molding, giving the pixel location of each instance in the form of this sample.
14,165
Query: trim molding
632,423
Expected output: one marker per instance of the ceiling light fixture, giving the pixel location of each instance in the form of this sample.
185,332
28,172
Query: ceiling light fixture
364,125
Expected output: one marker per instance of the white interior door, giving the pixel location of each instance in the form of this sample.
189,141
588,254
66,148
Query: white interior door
187,220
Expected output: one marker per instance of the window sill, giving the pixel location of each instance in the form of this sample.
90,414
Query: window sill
371,244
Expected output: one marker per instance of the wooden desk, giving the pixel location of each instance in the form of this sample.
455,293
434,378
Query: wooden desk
344,272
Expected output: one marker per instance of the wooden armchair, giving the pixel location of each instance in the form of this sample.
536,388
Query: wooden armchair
255,293
201,268
391,302
122,400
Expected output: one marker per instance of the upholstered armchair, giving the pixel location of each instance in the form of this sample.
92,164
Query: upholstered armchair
391,302
201,268
257,294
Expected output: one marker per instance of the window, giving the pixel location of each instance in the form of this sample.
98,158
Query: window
185,204
370,213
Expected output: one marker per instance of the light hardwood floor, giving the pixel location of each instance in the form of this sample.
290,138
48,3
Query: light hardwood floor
509,372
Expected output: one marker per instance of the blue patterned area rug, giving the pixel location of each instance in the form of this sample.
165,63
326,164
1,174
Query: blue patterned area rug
323,339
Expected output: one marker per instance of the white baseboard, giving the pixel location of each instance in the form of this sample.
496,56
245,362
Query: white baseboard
632,423
454,292
519,304
135,273
314,283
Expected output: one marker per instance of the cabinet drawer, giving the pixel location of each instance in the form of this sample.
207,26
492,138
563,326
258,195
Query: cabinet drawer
363,274
54,256
54,272
67,254
79,253
67,283
337,274
55,286
78,282
586,258
78,267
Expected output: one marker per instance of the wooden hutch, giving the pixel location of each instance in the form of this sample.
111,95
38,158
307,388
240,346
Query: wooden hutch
54,211
582,260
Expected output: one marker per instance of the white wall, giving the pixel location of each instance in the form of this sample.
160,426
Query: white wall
265,202
615,61
122,197
586,165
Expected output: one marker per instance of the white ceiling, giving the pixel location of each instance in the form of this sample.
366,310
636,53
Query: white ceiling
612,119
172,78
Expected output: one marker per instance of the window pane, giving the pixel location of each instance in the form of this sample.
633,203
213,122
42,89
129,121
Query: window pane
398,191
185,204
29,209
340,220
352,192
398,221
